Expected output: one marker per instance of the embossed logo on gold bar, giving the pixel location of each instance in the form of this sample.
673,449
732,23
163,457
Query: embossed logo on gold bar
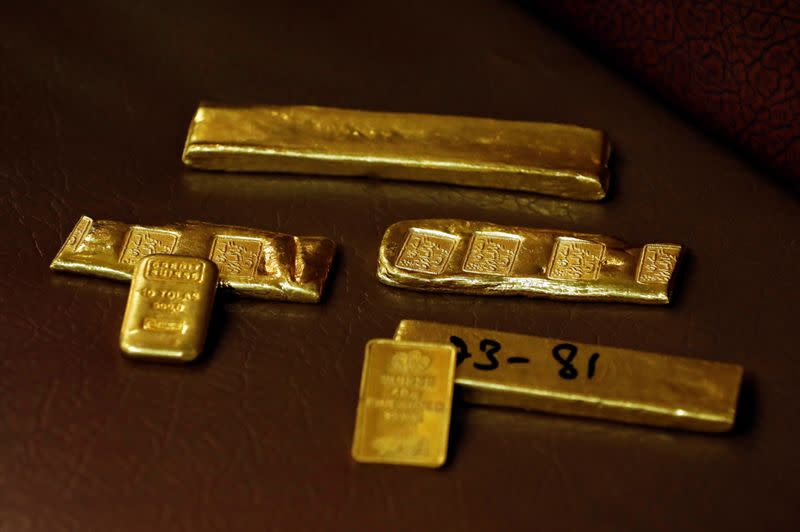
426,251
409,362
168,325
236,256
492,253
142,242
78,233
174,270
574,259
656,263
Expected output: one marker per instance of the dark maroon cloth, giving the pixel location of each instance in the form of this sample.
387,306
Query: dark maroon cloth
734,65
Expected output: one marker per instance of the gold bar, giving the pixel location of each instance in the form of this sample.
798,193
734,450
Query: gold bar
169,307
251,262
576,379
554,159
404,404
486,259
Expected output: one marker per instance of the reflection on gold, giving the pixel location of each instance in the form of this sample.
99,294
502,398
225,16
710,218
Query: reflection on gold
417,196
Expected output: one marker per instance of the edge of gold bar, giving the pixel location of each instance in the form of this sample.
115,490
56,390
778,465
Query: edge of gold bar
169,307
404,403
459,256
586,380
555,159
251,262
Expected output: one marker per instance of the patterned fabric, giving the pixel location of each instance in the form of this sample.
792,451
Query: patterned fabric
735,65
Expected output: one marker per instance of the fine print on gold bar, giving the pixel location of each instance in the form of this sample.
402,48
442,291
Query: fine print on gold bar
404,404
555,159
576,379
169,307
251,262
486,259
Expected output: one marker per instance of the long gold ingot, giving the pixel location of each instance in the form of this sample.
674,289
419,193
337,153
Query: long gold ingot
487,259
576,379
554,159
169,307
404,404
251,262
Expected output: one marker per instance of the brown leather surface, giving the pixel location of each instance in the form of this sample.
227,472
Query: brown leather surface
735,66
95,103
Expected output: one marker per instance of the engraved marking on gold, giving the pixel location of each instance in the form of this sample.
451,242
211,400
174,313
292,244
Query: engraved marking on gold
175,269
574,259
656,263
142,242
426,251
404,404
163,325
236,256
78,233
492,253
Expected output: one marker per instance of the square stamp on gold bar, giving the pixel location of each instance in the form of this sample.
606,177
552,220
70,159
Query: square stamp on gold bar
405,402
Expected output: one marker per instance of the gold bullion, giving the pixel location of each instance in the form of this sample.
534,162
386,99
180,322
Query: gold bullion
488,259
554,159
169,307
576,379
251,262
404,405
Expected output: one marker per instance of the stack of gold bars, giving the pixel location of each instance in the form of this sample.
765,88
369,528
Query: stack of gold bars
407,384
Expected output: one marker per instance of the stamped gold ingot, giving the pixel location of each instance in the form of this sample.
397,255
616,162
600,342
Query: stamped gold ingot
577,379
169,307
404,404
554,159
487,259
251,262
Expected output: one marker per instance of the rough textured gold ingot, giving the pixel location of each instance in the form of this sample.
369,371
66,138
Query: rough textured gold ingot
486,259
554,159
576,379
169,307
251,262
404,404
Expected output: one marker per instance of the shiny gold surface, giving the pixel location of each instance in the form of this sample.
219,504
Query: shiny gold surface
251,262
404,404
576,379
169,307
487,259
554,159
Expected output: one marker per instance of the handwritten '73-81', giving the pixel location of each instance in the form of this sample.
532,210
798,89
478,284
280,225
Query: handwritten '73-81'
564,354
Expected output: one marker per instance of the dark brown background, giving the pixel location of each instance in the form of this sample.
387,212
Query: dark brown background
95,100
732,66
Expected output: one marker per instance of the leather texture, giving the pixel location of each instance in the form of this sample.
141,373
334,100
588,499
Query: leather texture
96,98
734,66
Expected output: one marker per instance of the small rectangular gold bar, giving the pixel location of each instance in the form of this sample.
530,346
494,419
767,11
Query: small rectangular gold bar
169,307
251,262
404,404
482,258
576,379
554,159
